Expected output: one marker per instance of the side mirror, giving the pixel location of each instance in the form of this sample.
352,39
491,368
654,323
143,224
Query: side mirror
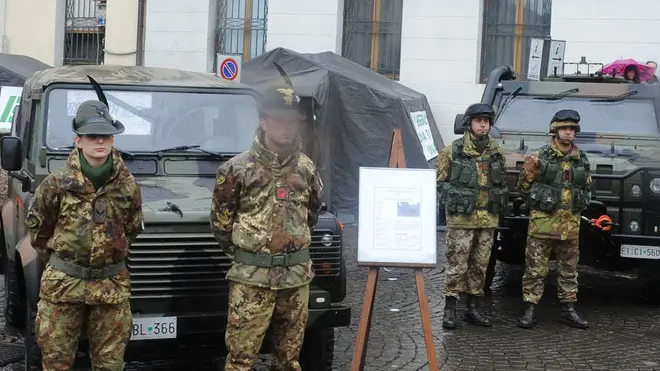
11,153
458,124
324,207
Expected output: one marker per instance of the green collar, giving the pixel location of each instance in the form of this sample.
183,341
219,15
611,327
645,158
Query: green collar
97,175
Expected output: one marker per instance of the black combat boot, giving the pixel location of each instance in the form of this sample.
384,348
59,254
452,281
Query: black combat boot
473,314
449,320
528,320
570,317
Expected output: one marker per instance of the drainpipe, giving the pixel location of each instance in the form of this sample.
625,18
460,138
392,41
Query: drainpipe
139,57
3,37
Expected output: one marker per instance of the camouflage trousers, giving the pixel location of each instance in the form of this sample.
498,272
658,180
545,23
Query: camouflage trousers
59,325
537,256
468,253
252,310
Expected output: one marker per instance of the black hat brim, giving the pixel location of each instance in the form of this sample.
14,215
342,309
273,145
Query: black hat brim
286,114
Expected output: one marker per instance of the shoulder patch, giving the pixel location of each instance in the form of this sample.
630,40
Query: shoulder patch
220,180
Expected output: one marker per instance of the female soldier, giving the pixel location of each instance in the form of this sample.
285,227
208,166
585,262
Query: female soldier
81,223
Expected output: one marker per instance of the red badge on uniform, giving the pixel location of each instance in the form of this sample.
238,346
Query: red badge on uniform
281,193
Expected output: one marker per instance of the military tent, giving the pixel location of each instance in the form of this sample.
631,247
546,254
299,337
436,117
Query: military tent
355,111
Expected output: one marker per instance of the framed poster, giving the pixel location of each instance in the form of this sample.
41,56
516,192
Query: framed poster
397,217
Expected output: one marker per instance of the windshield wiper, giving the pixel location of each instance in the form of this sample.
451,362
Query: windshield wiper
558,96
121,151
187,148
618,98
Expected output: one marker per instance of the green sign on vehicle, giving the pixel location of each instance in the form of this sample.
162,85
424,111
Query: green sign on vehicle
10,97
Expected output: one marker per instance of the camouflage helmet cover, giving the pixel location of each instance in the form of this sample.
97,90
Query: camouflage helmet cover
93,118
478,110
565,118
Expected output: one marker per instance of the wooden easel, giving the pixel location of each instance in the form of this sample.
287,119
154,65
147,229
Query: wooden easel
397,160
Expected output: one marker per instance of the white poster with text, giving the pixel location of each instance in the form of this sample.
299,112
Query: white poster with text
421,123
397,217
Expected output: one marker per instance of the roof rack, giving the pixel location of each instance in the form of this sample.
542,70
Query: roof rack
580,76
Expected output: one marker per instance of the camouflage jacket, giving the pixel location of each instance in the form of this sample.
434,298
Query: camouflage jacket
264,205
480,217
563,223
61,221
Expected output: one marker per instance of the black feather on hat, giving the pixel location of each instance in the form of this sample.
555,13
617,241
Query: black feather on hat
93,116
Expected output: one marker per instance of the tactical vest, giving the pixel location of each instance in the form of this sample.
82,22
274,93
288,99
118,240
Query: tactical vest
551,179
460,192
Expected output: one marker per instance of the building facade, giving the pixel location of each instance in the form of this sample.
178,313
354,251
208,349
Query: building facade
442,48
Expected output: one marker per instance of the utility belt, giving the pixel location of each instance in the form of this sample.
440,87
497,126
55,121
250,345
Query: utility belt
86,273
271,260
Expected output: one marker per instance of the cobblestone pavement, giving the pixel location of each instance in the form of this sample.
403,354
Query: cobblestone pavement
624,332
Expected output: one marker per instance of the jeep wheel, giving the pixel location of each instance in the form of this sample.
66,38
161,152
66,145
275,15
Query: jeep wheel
490,273
32,358
14,304
318,350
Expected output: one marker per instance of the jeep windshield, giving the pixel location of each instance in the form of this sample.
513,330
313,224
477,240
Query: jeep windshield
633,117
218,122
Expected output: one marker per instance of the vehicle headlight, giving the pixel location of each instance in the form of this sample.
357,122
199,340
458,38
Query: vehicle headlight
655,186
326,240
634,226
636,190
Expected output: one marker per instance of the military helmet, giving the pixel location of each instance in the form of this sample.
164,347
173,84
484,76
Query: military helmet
478,110
93,118
565,118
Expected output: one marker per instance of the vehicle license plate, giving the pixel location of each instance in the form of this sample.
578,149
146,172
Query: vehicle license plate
150,328
640,252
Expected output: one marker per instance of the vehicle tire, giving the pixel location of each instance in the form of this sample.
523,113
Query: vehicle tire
318,350
32,358
14,301
490,273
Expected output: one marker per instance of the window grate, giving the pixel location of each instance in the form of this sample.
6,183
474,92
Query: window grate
241,28
509,26
84,32
372,35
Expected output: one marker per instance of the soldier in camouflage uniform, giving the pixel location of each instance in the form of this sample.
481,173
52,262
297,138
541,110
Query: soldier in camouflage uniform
81,224
472,184
266,203
556,182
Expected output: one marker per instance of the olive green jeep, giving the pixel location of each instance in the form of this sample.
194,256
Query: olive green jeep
180,126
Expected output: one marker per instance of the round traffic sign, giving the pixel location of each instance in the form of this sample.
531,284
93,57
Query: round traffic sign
229,69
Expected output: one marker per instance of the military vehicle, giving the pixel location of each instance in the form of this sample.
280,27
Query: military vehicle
180,126
14,70
619,133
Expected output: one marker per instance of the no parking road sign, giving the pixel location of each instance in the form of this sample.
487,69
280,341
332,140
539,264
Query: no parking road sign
229,67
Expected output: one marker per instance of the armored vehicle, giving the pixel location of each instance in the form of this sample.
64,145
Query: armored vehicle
180,126
620,135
